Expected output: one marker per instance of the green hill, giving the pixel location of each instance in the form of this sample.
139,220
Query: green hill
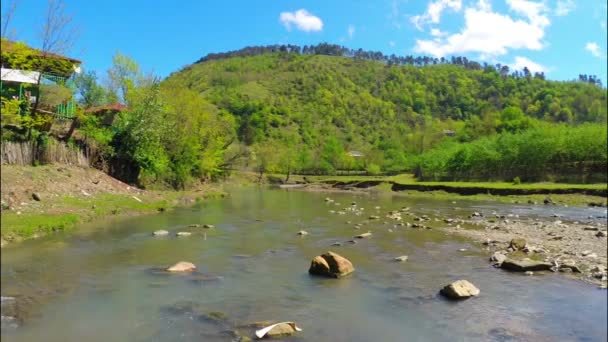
303,110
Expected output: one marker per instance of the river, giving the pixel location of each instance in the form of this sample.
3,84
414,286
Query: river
98,283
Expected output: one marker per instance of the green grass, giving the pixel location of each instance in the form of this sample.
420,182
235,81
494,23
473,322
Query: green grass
67,212
24,226
410,179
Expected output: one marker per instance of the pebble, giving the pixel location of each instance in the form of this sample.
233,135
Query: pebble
401,258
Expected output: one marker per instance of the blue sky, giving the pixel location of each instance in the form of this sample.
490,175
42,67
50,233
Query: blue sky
563,38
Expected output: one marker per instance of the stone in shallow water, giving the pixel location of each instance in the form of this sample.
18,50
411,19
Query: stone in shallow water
278,330
401,258
161,232
460,289
364,235
525,265
331,264
182,266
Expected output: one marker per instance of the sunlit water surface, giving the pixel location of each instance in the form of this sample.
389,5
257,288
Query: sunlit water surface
99,284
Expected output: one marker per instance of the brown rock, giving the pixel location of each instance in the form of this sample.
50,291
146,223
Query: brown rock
517,244
525,265
281,330
460,289
331,264
182,266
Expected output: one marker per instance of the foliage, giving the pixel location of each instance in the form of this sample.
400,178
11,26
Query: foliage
89,91
314,104
530,155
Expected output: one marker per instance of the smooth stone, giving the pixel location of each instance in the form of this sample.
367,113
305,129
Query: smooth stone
161,233
182,266
460,289
517,244
331,264
364,235
208,226
401,258
302,233
525,265
184,233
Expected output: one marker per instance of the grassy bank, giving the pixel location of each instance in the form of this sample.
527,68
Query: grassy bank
562,193
66,212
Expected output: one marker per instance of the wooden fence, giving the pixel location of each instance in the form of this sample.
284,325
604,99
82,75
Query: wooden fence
28,153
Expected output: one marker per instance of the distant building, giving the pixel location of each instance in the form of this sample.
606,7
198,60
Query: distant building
449,133
355,154
25,68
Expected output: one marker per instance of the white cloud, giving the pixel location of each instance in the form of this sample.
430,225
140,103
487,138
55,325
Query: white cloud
437,33
433,12
491,33
391,43
593,48
564,7
302,20
351,31
522,62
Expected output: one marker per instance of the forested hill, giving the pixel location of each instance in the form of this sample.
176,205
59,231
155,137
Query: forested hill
318,101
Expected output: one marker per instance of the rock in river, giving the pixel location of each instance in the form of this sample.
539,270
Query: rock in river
182,266
278,330
331,265
525,265
498,258
302,233
460,289
183,234
161,233
364,235
401,258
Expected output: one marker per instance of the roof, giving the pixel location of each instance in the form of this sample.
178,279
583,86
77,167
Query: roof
8,45
110,107
21,76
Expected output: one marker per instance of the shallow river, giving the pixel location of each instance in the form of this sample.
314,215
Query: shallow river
99,283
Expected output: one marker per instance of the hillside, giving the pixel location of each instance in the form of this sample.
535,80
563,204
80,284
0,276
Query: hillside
317,106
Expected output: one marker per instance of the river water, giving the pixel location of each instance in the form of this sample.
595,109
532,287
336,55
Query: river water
100,283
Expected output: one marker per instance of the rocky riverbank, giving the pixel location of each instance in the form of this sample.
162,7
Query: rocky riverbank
573,248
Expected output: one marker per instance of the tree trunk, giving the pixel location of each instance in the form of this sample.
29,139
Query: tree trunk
75,123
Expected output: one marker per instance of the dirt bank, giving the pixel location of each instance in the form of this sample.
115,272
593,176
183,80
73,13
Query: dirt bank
43,199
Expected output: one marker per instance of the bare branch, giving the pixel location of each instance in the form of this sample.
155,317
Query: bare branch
57,34
6,19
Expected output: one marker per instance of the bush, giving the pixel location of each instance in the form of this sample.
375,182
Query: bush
373,169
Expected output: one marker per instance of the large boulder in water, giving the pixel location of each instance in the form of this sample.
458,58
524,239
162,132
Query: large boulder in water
525,265
331,265
460,289
182,266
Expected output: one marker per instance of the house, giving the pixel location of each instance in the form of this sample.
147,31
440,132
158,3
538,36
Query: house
30,75
107,113
355,154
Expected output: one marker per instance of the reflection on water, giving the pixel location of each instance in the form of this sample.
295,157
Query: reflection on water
100,283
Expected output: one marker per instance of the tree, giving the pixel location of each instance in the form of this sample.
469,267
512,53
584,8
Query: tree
90,93
124,75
